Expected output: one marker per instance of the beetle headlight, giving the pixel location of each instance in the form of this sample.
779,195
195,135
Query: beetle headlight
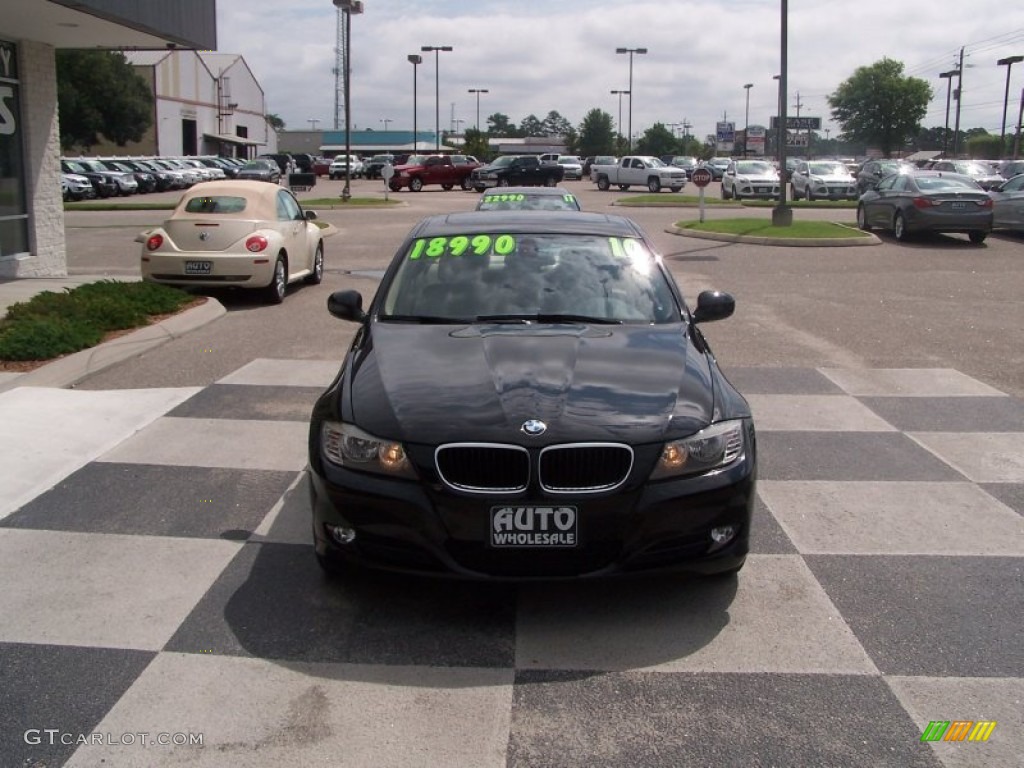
348,446
712,448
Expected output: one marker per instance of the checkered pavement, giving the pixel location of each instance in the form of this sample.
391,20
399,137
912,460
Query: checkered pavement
158,579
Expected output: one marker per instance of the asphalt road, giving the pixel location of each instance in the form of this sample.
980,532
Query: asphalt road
938,302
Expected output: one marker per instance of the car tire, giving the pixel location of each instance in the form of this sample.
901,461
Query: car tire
810,195
447,187
467,184
603,184
394,186
726,195
275,292
675,189
317,274
793,194
653,185
977,236
480,188
415,184
623,187
862,218
550,181
503,182
899,227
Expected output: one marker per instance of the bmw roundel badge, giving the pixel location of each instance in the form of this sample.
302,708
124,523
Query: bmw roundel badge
534,427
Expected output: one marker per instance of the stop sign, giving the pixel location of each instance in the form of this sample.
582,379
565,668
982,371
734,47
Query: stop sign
700,177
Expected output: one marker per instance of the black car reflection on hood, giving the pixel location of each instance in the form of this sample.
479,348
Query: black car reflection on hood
546,360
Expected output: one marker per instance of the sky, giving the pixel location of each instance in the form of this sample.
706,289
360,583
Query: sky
536,56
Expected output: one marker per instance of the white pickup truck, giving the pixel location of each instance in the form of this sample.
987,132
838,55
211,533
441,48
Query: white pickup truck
638,170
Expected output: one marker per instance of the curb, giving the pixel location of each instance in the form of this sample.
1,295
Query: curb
68,370
821,242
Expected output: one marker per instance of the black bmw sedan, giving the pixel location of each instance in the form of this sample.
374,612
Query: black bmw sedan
529,396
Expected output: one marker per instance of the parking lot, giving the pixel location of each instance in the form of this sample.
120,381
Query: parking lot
161,580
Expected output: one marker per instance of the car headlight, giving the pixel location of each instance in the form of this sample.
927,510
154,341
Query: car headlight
348,446
712,448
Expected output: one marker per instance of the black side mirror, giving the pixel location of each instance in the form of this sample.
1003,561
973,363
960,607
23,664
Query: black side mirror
713,305
346,305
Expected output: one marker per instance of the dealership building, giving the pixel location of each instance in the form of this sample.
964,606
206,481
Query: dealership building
32,242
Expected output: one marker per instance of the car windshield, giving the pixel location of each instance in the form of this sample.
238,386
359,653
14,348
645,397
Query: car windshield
521,201
256,165
526,278
973,169
828,169
416,160
568,161
942,183
502,161
754,168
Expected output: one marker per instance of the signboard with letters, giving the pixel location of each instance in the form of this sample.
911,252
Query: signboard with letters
798,123
725,136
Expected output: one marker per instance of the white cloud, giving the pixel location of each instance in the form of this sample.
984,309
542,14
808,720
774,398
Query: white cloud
535,57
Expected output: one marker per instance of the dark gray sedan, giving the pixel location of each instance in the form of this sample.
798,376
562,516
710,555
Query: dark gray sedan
927,201
260,170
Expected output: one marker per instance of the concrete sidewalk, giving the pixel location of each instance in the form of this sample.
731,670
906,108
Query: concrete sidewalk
66,370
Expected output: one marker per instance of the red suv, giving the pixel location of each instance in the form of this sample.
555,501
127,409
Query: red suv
420,170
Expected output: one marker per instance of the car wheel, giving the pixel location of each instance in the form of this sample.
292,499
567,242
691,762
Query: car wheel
623,187
899,227
654,185
394,186
466,183
810,194
977,236
675,189
415,184
793,193
726,195
480,189
278,283
318,266
447,187
603,184
503,182
862,218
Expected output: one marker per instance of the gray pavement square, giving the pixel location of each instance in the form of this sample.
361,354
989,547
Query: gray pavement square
250,401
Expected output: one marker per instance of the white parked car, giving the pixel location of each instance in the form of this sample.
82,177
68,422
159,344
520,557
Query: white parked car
242,233
750,178
573,167
337,167
827,179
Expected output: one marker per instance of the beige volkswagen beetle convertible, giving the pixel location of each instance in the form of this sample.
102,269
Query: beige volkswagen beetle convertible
247,234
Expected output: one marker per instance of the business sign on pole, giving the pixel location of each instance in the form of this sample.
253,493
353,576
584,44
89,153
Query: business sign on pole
725,136
756,136
796,139
798,123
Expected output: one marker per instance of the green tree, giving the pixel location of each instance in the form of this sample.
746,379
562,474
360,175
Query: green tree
475,143
657,140
596,134
498,125
531,126
877,105
100,93
556,125
983,145
274,122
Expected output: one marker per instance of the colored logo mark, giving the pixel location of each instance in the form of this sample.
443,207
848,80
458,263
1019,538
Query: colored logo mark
958,730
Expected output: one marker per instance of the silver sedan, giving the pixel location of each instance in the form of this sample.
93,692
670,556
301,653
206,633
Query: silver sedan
1008,204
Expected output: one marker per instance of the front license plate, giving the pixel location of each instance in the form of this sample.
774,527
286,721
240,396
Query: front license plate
515,526
198,267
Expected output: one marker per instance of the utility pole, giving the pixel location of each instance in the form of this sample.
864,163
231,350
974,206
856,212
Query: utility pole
797,106
959,98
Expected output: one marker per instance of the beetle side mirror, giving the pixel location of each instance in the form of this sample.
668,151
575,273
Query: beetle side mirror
713,305
346,305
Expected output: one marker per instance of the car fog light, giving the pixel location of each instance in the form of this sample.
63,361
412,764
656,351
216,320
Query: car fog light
341,534
723,534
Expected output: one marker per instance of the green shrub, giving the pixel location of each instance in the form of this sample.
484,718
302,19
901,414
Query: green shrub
52,324
42,338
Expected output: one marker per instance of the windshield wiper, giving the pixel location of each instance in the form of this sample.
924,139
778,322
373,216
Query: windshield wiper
426,319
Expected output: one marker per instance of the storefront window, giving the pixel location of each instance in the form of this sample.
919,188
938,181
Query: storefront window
13,207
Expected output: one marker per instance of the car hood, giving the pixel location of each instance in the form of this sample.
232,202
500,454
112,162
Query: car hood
441,383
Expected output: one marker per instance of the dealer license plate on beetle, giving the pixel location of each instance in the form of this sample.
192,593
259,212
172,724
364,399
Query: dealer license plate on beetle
517,526
198,267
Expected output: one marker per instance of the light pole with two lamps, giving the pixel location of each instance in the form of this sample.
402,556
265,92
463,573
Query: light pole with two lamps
478,91
630,51
437,87
348,7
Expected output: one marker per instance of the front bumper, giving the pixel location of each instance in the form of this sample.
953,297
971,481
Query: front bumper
427,529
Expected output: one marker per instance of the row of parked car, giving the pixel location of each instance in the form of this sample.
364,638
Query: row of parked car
86,178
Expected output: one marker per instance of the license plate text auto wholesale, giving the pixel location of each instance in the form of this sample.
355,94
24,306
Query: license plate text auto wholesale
198,267
534,526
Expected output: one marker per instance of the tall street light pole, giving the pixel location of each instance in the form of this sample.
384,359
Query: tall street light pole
478,91
948,77
618,125
746,120
1008,62
348,7
437,88
631,51
386,121
415,59
782,214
